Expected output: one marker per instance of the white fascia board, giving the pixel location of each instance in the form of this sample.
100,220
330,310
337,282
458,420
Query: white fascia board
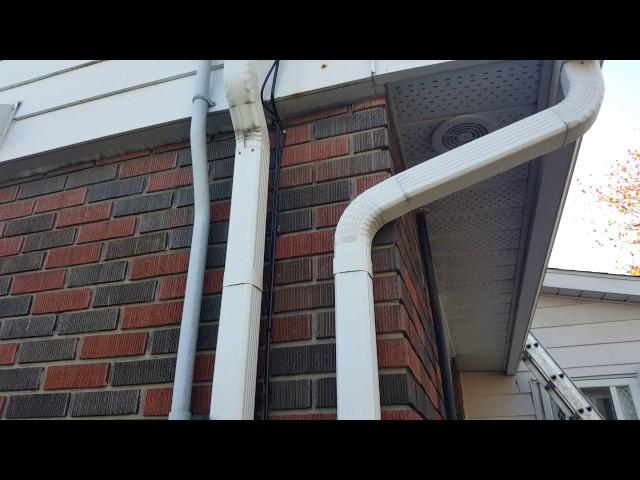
592,282
77,106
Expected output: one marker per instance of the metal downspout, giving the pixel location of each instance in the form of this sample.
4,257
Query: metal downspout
358,392
438,322
181,399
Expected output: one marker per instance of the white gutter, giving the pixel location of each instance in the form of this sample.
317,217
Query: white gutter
356,354
234,378
181,401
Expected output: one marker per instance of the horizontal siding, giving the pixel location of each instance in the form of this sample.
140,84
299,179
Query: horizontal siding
15,72
587,338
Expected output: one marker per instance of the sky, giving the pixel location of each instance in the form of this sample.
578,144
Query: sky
616,130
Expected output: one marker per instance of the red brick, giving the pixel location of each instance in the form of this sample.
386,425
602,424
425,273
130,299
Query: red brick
157,265
309,416
173,179
154,163
203,368
92,213
61,200
3,400
76,376
304,244
10,246
174,287
288,329
63,301
221,211
8,353
401,415
397,353
309,152
365,183
65,256
374,102
172,146
325,268
328,215
157,402
119,345
37,282
152,315
122,158
8,194
16,210
310,117
296,176
386,288
104,230
293,135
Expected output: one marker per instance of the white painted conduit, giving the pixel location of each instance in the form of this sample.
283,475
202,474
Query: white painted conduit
357,363
181,399
234,379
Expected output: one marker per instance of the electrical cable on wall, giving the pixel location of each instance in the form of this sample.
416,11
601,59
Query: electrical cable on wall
279,136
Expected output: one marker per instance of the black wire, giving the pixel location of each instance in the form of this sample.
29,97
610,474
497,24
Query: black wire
273,230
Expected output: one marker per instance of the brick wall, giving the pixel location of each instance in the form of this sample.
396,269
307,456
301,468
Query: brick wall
93,262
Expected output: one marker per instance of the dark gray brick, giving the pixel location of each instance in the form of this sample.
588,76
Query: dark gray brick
324,393
402,389
39,405
47,350
216,255
21,263
303,359
41,187
128,293
41,326
289,395
12,379
159,370
167,219
101,273
56,238
181,237
92,175
95,404
354,122
4,285
371,140
215,151
116,188
315,195
14,306
145,203
89,321
220,190
292,221
130,247
166,341
221,169
32,224
210,308
325,325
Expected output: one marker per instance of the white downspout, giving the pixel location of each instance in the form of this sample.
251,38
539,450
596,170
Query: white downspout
234,378
356,356
181,400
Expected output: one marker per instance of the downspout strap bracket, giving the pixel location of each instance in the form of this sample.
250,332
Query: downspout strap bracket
210,102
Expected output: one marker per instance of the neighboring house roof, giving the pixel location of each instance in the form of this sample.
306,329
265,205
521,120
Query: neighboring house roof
599,286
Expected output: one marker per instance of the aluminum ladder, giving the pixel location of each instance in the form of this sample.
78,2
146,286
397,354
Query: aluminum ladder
558,385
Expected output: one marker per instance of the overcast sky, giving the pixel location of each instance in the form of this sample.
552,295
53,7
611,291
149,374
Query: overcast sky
616,130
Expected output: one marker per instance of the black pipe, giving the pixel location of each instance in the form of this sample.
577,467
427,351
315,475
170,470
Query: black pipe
436,311
273,232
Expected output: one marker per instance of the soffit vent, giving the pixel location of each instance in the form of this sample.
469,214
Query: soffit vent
459,130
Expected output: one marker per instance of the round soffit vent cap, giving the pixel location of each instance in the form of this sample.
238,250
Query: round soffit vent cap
459,130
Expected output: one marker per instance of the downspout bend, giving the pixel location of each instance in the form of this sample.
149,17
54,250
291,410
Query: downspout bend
501,150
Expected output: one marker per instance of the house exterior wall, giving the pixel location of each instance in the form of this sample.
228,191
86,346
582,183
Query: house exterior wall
93,262
588,338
